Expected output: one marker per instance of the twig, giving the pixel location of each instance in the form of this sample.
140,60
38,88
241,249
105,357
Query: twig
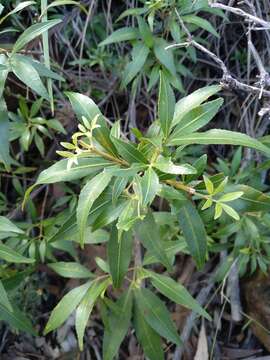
227,81
240,12
233,292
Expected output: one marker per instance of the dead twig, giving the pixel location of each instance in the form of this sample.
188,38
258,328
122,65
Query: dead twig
240,12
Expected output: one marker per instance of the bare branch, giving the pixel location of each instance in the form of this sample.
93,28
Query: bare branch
227,81
240,12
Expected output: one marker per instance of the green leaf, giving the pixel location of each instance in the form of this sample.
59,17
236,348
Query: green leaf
171,248
149,236
128,151
145,32
202,23
32,32
231,196
17,319
66,306
7,226
156,314
4,300
175,292
149,186
102,135
222,137
60,171
119,255
18,8
188,103
40,68
117,326
131,12
84,106
10,255
28,75
4,132
252,200
139,54
56,125
147,337
230,211
118,187
126,173
166,104
86,306
164,56
167,166
207,204
123,34
153,78
194,232
128,216
208,184
109,214
197,118
3,75
71,270
61,3
89,193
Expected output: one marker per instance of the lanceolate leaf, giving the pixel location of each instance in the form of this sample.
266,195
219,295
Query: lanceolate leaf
139,56
197,118
10,255
194,232
217,136
145,32
3,73
28,75
71,270
84,106
164,56
123,34
199,21
183,106
176,292
66,306
156,314
128,151
18,8
147,337
4,132
118,187
86,306
252,200
4,300
40,68
166,104
89,193
61,172
117,326
7,226
102,135
119,255
149,186
17,319
32,32
150,238
167,166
